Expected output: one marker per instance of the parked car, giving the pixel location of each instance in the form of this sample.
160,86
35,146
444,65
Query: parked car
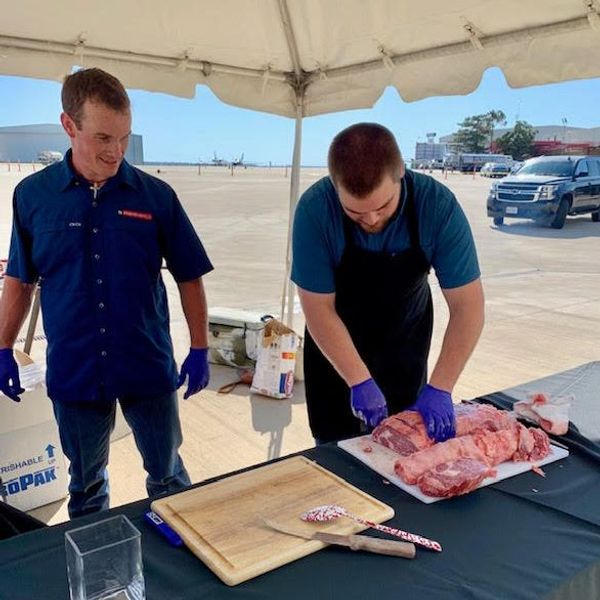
547,189
495,169
486,169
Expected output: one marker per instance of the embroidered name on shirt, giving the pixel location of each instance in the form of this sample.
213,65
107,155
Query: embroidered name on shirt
134,214
74,224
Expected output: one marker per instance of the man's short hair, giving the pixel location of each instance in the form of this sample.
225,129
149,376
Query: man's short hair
361,156
95,85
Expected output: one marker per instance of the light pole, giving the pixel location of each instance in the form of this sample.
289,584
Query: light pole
564,123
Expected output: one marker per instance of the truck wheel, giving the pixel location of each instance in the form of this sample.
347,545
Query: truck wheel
498,221
560,217
596,216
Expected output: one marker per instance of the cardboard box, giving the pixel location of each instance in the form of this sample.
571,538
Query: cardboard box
32,464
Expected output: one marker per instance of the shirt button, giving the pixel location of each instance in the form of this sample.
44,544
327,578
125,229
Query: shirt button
101,305
97,256
99,281
102,330
94,204
95,230
104,353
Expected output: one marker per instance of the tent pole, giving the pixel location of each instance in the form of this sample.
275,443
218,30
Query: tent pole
289,288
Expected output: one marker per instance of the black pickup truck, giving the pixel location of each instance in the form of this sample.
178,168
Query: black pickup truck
547,189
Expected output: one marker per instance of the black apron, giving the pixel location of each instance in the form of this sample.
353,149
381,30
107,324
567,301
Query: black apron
385,302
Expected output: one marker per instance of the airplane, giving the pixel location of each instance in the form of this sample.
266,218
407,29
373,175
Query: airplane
219,162
238,162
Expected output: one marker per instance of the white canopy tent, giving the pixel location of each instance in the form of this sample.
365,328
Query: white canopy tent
304,57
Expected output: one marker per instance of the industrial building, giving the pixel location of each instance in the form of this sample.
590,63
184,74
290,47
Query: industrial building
554,139
23,143
431,153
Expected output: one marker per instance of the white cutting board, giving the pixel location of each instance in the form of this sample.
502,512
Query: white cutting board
382,459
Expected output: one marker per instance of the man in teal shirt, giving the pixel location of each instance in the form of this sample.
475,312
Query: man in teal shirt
364,241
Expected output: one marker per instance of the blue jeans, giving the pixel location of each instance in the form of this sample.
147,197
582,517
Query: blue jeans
85,429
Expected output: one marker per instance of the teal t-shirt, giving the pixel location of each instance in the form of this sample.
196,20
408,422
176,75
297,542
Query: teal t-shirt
445,235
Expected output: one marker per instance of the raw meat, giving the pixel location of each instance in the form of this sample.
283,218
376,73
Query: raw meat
405,432
485,437
534,444
497,446
410,468
454,478
490,448
551,414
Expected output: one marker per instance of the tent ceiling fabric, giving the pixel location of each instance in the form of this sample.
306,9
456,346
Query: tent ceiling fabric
341,54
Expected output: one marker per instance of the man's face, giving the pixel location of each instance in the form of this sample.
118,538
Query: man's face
372,212
99,144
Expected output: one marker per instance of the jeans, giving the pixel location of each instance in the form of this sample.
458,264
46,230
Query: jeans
85,429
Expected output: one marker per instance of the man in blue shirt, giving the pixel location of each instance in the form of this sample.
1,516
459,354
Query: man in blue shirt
364,240
93,231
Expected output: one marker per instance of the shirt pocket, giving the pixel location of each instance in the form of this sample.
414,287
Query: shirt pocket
59,248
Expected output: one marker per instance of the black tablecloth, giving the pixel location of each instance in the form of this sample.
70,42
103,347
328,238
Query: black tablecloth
524,538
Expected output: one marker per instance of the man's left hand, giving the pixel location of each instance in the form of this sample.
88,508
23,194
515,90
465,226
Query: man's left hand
436,409
195,368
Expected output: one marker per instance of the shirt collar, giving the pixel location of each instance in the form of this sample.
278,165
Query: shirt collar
403,193
67,175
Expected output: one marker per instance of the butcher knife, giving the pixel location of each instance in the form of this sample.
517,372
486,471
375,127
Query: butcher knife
352,541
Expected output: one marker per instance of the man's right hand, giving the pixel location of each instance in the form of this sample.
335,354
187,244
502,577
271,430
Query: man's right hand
9,375
368,403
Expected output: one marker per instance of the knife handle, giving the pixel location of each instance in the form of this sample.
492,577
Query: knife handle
369,544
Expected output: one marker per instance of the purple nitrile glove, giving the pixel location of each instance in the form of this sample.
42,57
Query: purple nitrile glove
195,368
10,384
368,403
435,406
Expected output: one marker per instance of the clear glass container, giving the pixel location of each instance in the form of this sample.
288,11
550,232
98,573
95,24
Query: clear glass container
104,561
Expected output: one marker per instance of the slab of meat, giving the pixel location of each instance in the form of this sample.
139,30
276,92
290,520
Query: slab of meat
454,478
497,446
410,468
405,432
488,447
534,444
551,414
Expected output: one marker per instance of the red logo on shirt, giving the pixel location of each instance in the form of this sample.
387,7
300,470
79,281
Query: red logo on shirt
134,214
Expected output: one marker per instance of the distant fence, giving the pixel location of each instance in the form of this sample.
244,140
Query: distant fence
19,167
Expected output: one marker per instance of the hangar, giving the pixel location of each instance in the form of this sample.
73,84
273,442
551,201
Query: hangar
23,143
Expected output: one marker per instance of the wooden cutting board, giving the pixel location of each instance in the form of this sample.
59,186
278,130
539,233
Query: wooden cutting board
222,522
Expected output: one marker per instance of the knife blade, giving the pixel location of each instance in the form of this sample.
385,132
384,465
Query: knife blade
352,541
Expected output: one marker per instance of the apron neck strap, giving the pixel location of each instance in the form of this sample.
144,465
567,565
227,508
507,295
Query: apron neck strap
407,208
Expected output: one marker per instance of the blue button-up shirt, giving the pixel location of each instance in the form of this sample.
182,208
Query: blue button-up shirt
98,255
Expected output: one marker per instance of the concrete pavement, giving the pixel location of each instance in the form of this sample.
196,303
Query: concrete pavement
542,310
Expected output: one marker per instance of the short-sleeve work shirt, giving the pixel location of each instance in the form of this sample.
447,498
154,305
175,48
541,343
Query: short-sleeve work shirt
98,255
444,235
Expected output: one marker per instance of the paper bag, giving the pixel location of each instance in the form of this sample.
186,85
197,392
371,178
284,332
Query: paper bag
276,361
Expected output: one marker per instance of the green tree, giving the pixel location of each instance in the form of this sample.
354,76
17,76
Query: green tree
519,141
477,132
491,119
472,134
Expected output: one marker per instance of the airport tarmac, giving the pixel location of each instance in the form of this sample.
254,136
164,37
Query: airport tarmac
542,291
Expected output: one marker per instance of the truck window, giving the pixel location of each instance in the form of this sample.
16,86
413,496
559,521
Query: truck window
594,165
582,169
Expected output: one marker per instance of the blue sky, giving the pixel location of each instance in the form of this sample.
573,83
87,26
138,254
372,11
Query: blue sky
177,129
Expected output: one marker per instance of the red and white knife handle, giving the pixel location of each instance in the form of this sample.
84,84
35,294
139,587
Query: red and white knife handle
405,535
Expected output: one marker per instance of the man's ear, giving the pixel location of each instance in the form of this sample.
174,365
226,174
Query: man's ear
402,170
68,124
